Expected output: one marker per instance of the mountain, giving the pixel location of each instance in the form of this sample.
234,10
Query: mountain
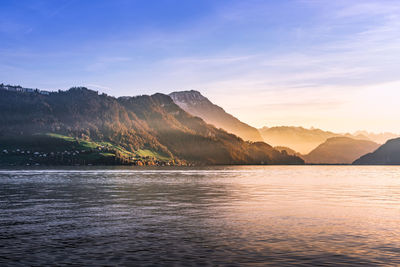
305,140
122,129
379,138
340,150
387,154
196,104
297,138
289,151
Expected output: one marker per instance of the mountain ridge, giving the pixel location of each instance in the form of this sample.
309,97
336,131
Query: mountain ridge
386,154
198,105
297,138
154,123
339,150
305,140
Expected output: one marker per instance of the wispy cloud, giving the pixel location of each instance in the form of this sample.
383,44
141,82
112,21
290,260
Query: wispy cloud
208,60
102,63
261,60
357,45
367,8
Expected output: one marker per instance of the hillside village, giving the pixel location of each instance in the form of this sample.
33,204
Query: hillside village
83,157
64,150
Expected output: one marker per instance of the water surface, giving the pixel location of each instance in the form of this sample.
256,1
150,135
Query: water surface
300,215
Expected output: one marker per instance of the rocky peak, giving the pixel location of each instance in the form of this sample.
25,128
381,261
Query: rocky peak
196,104
188,97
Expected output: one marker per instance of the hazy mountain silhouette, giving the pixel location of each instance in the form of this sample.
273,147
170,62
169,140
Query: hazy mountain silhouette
387,154
196,104
340,150
305,140
154,123
379,138
297,138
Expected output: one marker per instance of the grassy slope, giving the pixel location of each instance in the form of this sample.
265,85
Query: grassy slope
62,149
152,154
124,152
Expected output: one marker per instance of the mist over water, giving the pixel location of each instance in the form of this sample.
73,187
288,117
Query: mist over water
277,215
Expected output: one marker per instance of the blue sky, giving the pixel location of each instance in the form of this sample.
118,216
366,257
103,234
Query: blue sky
328,64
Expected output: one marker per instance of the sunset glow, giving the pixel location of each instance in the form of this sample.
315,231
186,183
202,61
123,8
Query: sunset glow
327,64
199,132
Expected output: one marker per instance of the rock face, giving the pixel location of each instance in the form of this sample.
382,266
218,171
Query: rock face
340,150
196,104
387,154
154,123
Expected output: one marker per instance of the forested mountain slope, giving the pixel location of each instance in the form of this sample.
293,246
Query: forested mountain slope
152,123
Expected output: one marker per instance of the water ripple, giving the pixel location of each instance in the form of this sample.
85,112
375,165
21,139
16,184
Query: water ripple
298,215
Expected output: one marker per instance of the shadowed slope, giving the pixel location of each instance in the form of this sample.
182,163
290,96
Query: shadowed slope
340,150
152,123
196,104
387,154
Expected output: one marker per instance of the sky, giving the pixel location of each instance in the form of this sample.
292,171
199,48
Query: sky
333,65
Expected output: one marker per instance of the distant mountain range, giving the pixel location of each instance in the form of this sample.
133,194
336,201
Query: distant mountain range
81,126
340,150
379,138
305,140
196,104
387,154
297,138
315,146
87,126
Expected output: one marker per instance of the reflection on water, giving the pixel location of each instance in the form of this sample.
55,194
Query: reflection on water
304,215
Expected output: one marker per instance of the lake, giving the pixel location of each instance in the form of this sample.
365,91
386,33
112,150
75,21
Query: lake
238,215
